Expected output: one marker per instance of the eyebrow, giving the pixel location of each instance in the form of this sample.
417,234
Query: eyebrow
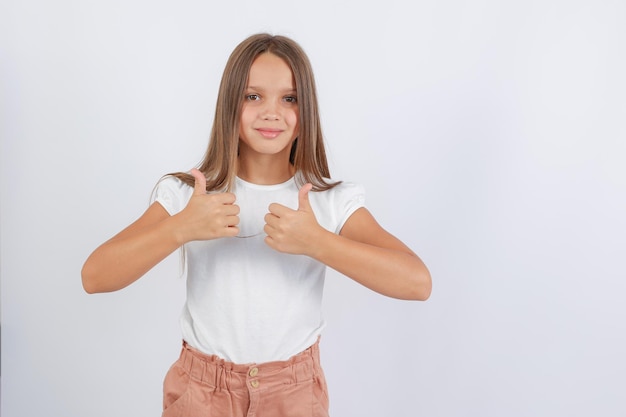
286,90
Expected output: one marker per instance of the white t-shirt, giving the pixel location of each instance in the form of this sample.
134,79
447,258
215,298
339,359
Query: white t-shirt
246,302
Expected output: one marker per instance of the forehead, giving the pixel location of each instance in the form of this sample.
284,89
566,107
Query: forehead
269,70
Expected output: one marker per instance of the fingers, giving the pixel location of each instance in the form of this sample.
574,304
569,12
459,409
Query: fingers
200,183
200,188
228,200
210,215
303,197
278,209
227,226
271,219
304,204
231,231
232,221
228,215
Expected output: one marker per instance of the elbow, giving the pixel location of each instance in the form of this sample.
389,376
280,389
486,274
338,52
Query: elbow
426,286
419,281
88,279
422,287
87,284
97,279
421,294
424,294
89,289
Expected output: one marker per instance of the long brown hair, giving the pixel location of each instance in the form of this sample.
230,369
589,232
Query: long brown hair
308,155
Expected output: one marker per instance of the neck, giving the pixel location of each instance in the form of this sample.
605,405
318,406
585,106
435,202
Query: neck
264,171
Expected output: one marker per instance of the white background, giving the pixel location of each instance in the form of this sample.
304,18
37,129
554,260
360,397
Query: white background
491,138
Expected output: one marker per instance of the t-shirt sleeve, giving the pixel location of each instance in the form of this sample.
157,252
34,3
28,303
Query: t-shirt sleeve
349,197
172,194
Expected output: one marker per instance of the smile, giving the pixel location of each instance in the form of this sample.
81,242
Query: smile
269,133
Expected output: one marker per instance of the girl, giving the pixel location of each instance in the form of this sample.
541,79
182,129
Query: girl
260,219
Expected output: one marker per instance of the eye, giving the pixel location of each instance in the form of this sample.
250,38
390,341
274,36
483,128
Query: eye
253,97
291,99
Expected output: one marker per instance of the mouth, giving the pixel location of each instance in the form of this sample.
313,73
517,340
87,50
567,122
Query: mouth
269,133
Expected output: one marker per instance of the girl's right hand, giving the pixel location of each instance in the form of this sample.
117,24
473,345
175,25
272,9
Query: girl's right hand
208,216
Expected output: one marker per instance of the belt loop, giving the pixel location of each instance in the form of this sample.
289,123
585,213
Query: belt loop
204,371
316,352
184,358
216,377
227,378
223,378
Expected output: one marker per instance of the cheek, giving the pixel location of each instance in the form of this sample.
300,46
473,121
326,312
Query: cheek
244,124
245,117
293,120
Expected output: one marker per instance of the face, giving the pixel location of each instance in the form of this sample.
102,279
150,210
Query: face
269,117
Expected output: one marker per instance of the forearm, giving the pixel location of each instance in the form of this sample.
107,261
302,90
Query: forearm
127,257
395,273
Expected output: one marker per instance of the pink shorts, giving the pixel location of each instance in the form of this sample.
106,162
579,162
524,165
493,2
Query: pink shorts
205,385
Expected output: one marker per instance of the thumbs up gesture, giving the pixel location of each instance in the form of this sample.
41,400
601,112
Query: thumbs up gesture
208,216
292,231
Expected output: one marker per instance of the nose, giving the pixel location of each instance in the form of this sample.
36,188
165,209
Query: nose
270,111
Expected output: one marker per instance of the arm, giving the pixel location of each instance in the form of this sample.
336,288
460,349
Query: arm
370,255
363,250
135,250
131,253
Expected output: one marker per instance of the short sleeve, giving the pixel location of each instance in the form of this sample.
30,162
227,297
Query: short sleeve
348,198
172,194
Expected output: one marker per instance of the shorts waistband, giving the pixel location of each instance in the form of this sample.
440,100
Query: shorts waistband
219,373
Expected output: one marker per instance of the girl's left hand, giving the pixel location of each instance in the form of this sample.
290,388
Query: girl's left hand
292,231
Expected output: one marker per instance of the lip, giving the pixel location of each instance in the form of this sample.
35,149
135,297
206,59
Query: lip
269,133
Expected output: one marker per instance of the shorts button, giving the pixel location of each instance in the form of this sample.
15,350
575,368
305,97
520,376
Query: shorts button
255,383
254,372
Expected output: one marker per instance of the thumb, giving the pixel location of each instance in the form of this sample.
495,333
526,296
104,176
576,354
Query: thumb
303,198
200,184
